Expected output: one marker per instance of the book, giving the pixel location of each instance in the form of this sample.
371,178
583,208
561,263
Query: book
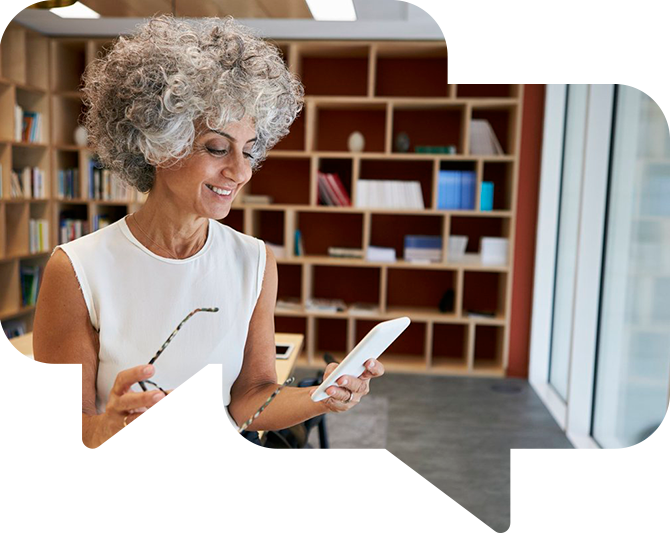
456,189
289,304
364,309
299,249
423,248
30,278
338,187
259,199
335,251
483,140
379,254
393,194
38,235
18,123
486,201
325,305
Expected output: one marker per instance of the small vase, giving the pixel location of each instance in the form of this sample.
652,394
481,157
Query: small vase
356,142
81,136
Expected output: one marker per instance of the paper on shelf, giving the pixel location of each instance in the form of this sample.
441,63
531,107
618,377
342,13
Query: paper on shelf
29,384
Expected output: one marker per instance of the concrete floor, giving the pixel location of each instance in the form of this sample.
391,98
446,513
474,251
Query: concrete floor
455,431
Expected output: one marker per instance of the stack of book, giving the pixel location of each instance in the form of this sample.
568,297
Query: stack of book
13,328
28,183
27,125
103,185
393,194
289,304
39,235
325,305
332,191
71,229
456,189
423,248
379,254
483,140
354,253
68,183
30,282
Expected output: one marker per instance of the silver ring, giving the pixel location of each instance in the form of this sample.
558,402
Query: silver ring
351,396
125,424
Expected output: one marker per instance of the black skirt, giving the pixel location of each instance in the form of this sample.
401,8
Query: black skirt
237,491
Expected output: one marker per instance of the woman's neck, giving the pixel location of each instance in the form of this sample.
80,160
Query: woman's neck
167,230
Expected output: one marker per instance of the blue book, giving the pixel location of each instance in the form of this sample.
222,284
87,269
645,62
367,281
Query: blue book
468,185
486,203
428,242
449,189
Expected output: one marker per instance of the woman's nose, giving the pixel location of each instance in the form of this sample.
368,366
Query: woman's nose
237,169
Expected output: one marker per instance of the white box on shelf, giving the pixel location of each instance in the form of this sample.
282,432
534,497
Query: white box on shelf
456,246
494,250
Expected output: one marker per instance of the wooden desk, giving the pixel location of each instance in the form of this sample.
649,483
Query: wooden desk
39,490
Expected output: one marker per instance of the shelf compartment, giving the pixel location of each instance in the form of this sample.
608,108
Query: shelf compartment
417,170
343,167
7,112
488,72
475,228
295,139
268,226
411,72
290,281
419,290
330,336
334,125
322,230
488,348
408,350
501,174
72,211
35,102
70,56
37,68
484,292
450,346
16,227
503,123
235,219
66,112
10,288
14,53
350,284
430,125
338,70
67,160
286,180
388,231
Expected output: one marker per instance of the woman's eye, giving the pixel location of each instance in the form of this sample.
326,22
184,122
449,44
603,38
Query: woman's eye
248,156
215,151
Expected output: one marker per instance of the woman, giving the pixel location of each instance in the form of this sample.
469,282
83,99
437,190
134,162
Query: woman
184,111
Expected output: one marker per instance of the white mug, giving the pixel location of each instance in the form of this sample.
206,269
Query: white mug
10,374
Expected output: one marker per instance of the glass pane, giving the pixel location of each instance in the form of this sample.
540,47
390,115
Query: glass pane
633,372
568,226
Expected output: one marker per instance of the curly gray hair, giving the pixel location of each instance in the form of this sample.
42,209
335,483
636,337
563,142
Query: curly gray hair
145,97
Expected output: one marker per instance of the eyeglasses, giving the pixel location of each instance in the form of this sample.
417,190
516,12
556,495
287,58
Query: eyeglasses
192,434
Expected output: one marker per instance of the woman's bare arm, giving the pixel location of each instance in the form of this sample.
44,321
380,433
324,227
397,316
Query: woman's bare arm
63,333
258,377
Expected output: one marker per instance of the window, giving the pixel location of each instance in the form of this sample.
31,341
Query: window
633,358
579,66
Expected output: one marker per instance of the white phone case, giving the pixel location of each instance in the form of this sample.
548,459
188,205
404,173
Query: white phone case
371,347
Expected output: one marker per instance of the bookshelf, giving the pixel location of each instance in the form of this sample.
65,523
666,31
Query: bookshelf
377,88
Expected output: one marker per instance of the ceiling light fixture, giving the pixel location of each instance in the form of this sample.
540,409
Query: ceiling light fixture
37,4
340,10
76,11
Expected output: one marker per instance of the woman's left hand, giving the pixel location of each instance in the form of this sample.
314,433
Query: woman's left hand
349,390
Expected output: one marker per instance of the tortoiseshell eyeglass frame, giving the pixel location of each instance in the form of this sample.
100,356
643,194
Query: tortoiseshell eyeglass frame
215,449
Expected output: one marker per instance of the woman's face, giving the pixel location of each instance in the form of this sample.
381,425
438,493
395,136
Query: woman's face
207,181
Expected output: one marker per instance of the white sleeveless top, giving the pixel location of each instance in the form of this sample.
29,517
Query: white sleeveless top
136,299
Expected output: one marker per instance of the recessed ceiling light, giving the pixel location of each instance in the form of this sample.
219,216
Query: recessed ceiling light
75,11
332,9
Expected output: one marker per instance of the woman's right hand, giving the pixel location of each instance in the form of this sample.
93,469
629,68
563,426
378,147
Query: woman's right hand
125,405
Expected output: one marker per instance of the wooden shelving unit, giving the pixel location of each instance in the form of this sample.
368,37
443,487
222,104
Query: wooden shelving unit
378,88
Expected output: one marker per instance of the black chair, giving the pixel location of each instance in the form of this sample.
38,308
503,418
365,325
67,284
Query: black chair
294,459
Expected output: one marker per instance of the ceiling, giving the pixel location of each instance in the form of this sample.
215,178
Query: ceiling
278,19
